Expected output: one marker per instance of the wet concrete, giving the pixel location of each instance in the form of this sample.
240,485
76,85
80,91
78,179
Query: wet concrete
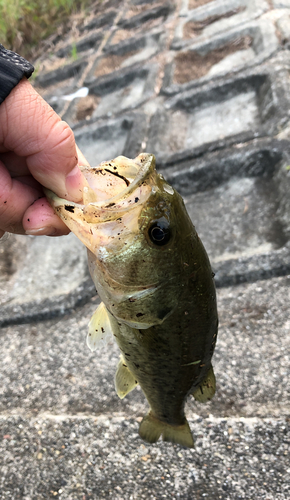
204,85
65,433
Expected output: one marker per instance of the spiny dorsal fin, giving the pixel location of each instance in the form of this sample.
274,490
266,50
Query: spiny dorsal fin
206,389
99,328
125,381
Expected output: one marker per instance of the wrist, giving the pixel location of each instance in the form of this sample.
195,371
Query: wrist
13,68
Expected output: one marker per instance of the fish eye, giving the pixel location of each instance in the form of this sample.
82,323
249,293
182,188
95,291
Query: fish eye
159,232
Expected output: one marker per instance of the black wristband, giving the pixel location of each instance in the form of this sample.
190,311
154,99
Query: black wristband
12,69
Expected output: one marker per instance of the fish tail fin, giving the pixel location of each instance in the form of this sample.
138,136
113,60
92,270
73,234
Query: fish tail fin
151,428
206,389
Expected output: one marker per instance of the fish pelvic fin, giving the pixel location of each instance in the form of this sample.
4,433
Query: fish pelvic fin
151,428
206,389
125,381
99,328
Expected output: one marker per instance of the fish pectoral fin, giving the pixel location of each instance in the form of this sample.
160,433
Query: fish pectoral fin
206,389
151,428
125,381
99,328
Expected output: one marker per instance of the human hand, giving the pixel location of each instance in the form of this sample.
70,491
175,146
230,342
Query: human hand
36,149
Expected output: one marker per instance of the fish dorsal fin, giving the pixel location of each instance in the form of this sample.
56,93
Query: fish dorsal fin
99,328
206,389
125,381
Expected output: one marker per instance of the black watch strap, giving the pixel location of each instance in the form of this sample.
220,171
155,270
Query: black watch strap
12,69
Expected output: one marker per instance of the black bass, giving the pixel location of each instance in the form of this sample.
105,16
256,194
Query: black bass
155,281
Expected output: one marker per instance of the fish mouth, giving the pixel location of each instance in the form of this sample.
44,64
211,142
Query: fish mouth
115,189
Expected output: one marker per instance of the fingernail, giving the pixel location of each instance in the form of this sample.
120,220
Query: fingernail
42,231
74,183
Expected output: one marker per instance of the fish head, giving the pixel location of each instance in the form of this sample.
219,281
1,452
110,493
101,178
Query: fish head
137,232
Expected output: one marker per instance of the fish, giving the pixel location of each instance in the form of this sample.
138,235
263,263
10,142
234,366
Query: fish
156,286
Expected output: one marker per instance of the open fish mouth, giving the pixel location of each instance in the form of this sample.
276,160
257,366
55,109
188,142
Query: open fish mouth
116,188
113,186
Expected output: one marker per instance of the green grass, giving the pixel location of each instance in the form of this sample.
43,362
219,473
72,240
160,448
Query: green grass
24,23
74,52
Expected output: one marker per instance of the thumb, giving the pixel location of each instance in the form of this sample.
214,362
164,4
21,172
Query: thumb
31,128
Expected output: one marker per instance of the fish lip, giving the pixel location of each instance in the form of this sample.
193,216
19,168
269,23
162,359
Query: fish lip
58,202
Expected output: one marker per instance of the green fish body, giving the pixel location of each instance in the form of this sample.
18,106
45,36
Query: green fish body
155,281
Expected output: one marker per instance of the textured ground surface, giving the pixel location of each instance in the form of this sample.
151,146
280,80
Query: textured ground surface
204,85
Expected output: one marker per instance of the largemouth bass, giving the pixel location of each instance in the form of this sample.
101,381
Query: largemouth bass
156,285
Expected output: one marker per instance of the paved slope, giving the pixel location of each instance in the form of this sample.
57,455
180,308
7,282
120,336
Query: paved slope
205,87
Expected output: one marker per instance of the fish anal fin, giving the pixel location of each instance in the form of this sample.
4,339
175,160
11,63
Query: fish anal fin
125,381
151,428
99,328
206,389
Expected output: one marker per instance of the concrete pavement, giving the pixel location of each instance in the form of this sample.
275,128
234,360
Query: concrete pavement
205,87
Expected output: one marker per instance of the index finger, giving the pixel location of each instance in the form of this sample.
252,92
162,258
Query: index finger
31,128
